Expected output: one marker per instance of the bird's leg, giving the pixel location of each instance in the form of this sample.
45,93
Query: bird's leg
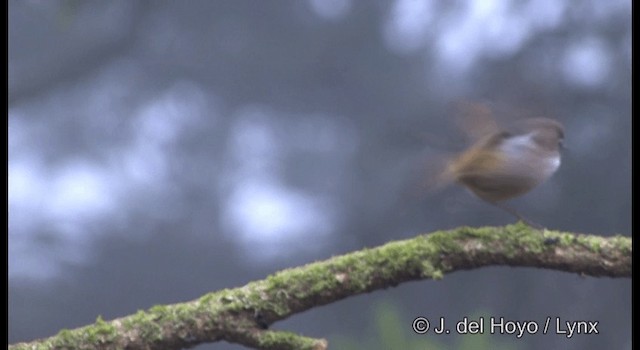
517,215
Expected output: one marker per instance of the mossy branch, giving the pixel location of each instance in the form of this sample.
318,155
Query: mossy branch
242,315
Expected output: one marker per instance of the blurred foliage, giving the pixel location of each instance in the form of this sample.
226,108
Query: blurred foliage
390,331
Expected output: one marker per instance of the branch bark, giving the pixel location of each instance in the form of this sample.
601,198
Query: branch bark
242,315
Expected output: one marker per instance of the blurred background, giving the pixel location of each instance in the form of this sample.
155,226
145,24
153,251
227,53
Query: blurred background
159,150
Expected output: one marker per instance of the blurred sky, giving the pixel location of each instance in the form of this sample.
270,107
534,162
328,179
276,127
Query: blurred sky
159,149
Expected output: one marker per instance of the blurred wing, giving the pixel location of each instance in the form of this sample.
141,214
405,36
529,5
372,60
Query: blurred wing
475,119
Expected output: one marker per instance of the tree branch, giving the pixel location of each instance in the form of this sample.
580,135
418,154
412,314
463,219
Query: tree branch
242,315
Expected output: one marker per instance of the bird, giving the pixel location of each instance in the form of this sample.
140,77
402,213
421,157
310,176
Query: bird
507,162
